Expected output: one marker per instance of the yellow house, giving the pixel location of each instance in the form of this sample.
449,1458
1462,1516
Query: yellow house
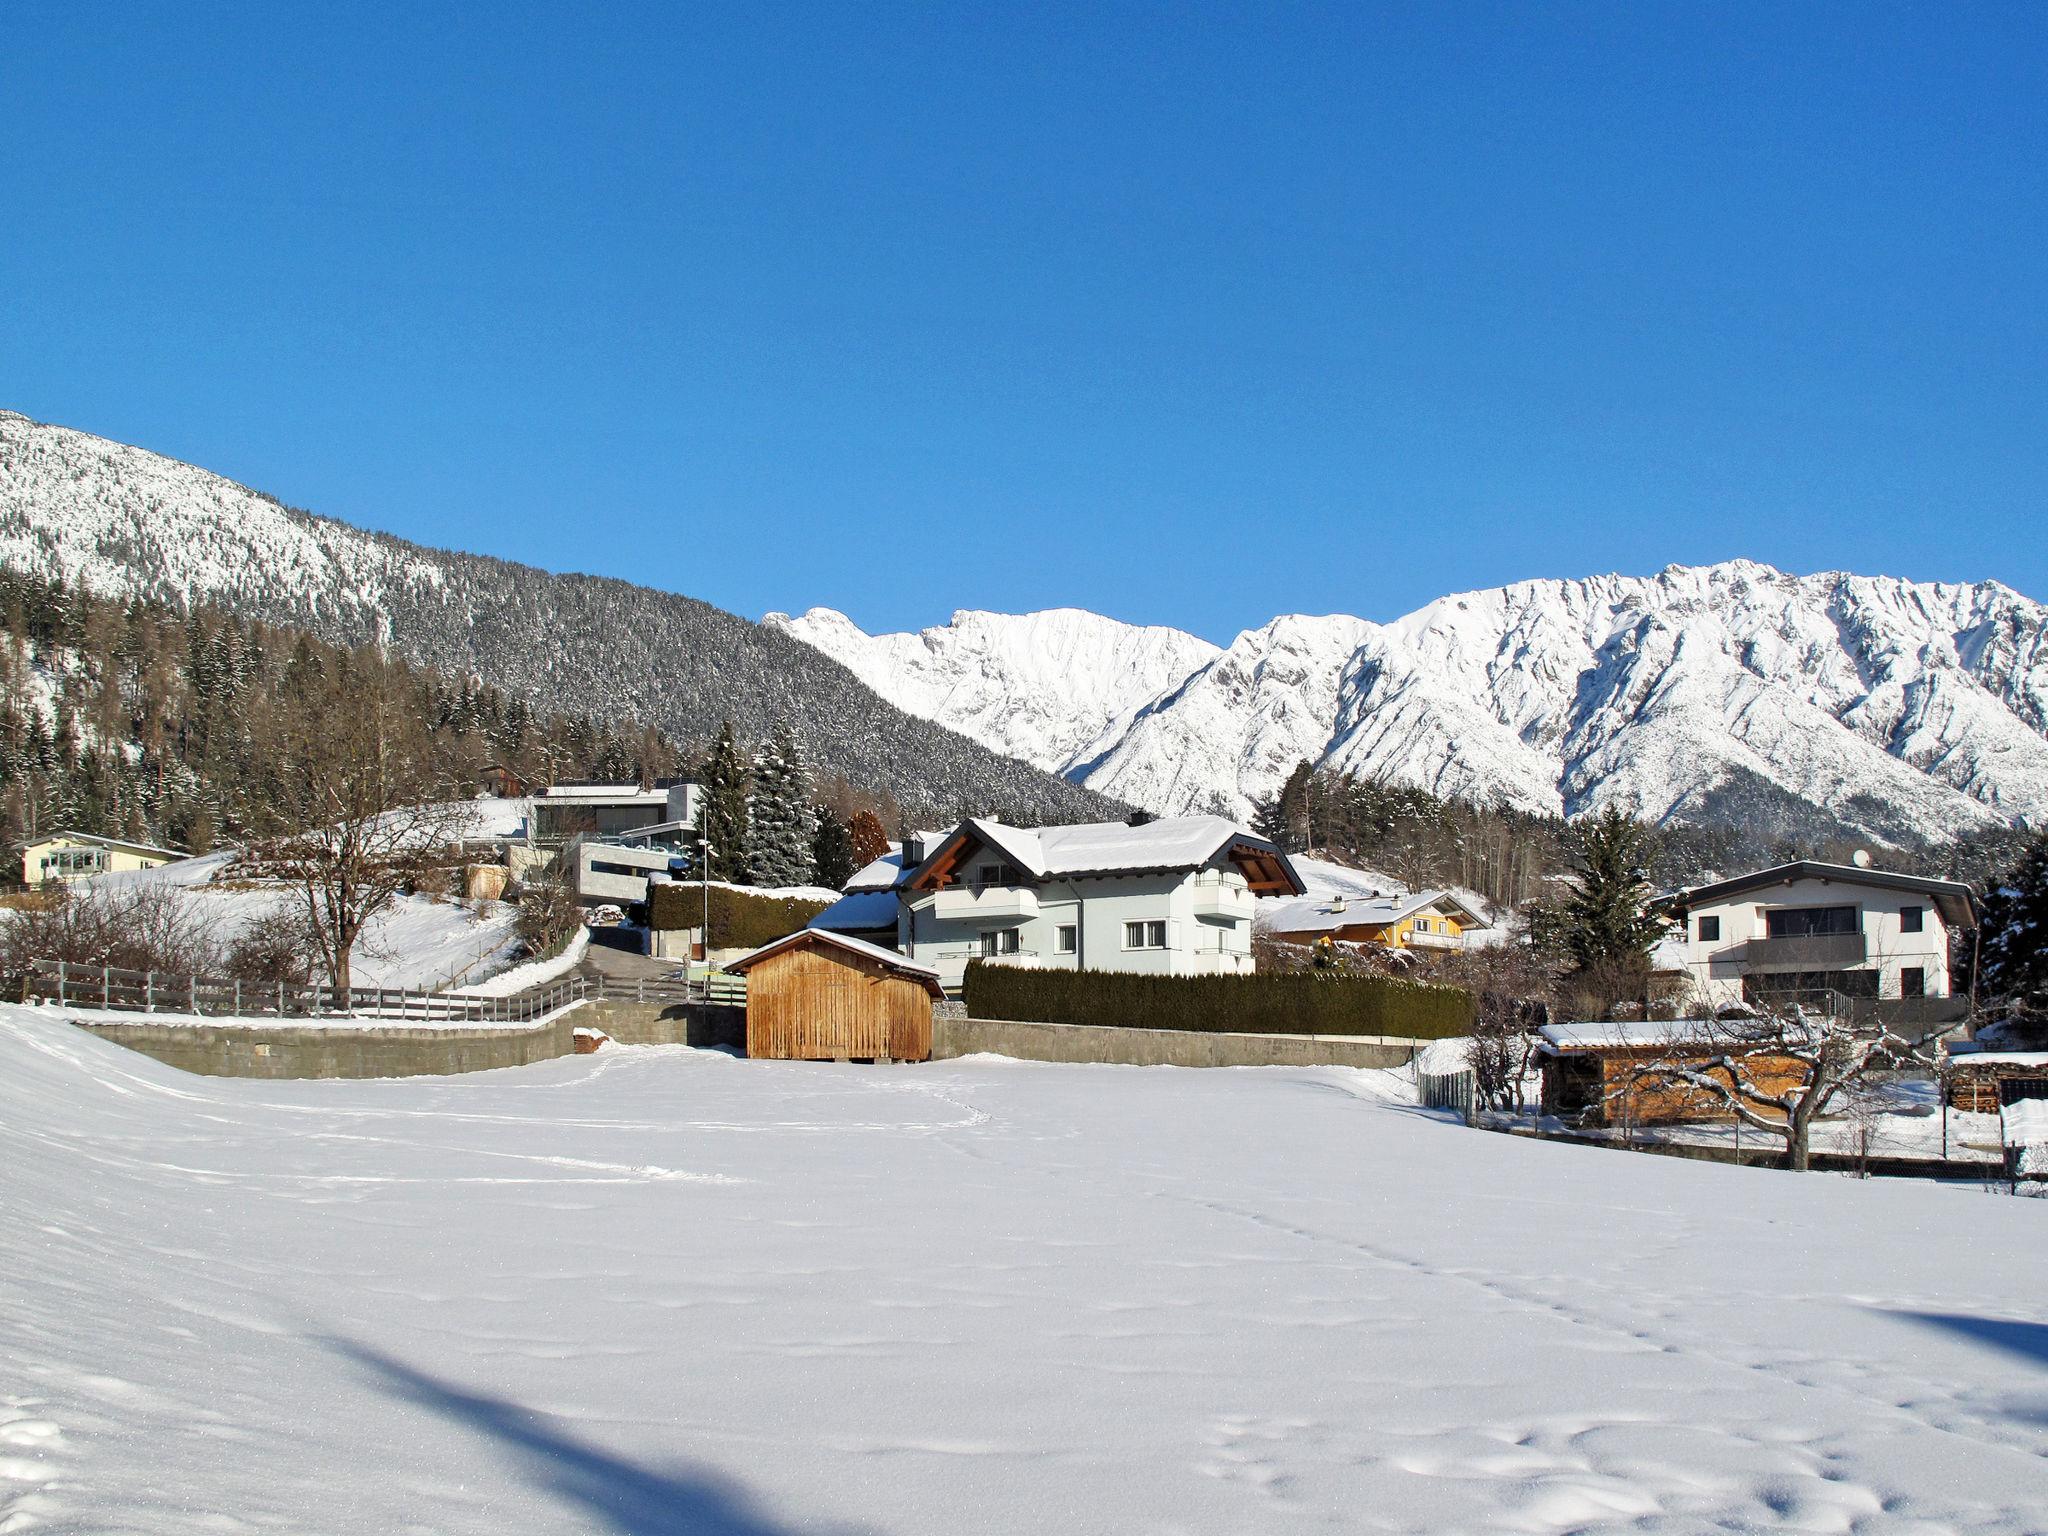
1417,920
66,856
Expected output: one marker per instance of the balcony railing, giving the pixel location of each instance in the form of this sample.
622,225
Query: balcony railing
1805,952
1228,901
994,901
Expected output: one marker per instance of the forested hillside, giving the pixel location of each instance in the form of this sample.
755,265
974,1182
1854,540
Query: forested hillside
124,522
133,720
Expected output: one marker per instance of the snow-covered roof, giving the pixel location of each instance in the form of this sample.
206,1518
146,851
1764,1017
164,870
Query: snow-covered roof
1327,914
884,874
1115,847
1654,1034
901,964
604,794
1962,1056
66,835
1951,898
859,912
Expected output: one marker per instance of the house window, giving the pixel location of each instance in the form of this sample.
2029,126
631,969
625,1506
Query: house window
1065,939
1144,935
1913,981
1422,925
1710,930
1910,921
999,941
997,874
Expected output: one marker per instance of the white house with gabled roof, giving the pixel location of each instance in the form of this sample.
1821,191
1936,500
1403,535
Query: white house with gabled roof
1174,896
1814,932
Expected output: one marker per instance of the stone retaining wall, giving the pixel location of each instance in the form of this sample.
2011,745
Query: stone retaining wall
395,1050
354,1050
1164,1047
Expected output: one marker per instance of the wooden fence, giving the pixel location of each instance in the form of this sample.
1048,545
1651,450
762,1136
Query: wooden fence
1446,1090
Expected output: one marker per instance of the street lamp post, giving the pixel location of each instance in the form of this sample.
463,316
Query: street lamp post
704,933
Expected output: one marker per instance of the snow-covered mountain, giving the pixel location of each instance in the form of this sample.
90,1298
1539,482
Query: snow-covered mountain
1730,693
1045,687
123,521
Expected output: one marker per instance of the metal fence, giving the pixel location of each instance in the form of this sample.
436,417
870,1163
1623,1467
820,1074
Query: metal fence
125,991
111,987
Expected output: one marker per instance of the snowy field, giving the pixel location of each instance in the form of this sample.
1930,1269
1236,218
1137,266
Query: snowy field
660,1292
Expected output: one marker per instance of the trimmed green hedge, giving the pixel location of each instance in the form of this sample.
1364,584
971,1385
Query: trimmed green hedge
739,920
1297,1004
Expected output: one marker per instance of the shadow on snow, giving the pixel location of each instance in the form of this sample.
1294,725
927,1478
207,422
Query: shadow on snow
626,1497
2027,1340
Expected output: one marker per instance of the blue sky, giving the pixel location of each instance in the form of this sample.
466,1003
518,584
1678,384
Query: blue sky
1190,315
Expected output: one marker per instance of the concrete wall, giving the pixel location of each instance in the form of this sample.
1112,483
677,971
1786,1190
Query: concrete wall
384,1050
363,1050
1164,1047
698,1024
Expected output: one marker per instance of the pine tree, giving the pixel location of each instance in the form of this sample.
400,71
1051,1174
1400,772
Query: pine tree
783,821
832,851
1605,929
724,782
2012,940
1285,818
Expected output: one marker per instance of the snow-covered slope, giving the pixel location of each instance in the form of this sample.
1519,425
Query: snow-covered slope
1877,706
1043,687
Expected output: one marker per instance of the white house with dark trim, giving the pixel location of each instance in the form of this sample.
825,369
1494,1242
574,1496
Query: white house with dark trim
1812,929
1174,896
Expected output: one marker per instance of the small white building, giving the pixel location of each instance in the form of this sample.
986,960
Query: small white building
1806,930
1174,896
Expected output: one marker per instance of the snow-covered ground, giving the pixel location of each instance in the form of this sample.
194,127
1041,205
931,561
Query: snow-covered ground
415,943
658,1292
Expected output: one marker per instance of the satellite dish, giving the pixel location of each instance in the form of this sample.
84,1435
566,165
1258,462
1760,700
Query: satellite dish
1860,858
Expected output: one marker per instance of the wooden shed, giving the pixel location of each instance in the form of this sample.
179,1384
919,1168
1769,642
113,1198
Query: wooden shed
816,995
1605,1074
1982,1082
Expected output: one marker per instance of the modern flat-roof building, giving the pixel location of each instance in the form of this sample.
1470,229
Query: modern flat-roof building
564,811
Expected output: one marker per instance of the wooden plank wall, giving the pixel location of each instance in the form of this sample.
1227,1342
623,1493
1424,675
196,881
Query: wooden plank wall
809,1005
1650,1102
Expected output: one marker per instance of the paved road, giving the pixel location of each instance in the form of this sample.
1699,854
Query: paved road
603,961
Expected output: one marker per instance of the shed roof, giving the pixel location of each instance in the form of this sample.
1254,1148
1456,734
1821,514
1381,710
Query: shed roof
1951,898
1658,1034
900,965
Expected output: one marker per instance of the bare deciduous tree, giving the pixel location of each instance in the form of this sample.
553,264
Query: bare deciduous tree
390,815
1737,1064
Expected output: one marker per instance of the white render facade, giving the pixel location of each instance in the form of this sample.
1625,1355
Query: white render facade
1811,928
1174,897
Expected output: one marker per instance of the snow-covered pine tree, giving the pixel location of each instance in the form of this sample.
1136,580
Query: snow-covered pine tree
2013,938
784,819
725,781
